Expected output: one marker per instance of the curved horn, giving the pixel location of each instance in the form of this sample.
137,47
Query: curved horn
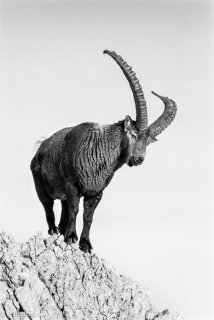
140,102
165,119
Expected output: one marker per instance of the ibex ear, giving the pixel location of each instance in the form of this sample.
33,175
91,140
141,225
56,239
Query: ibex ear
128,123
150,140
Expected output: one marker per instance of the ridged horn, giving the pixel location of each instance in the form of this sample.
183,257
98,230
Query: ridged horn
140,102
165,119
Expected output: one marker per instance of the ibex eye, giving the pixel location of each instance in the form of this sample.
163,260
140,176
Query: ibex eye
134,136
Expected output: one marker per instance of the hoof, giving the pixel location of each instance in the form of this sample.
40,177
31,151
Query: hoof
53,230
72,238
62,230
85,245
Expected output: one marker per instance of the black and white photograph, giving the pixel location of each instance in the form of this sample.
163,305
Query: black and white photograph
107,160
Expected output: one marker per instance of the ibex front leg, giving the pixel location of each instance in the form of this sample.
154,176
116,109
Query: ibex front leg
90,204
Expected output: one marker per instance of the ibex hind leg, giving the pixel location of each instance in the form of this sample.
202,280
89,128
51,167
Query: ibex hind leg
64,217
73,199
47,203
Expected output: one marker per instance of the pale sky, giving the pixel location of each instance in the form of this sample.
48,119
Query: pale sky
155,222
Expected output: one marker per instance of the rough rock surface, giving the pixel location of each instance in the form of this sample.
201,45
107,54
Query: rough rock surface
47,279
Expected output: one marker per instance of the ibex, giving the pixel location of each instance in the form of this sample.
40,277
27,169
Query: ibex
80,161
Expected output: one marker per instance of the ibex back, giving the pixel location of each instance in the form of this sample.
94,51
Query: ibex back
80,161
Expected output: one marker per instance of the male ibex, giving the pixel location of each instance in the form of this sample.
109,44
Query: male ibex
80,161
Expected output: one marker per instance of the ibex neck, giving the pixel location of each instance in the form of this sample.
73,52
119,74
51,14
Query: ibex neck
114,134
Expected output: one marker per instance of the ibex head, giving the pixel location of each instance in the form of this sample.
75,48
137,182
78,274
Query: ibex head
134,142
137,133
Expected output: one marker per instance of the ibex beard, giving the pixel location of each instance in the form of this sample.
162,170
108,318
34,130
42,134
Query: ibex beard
80,161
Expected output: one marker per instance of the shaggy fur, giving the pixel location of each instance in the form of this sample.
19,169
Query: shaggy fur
75,162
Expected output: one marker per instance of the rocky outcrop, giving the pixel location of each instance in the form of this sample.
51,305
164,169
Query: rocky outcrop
47,279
